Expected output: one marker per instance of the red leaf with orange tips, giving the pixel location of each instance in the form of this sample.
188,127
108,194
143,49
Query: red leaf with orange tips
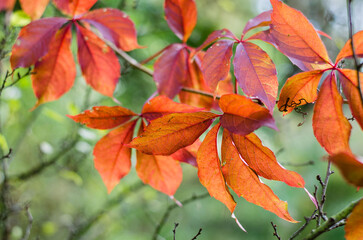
170,70
166,135
243,116
104,117
261,20
55,73
350,167
74,7
256,73
34,8
299,90
331,128
246,183
263,161
291,30
209,170
115,26
112,156
346,51
353,228
33,41
99,64
181,16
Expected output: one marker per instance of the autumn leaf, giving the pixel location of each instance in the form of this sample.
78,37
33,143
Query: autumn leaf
7,4
209,170
245,182
104,117
34,8
346,51
181,16
350,167
188,154
261,20
217,35
111,155
331,128
166,135
243,116
74,7
353,228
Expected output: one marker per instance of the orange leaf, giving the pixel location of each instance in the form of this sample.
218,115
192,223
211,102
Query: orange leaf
33,41
74,7
34,8
263,19
263,161
56,71
7,4
243,116
181,16
350,167
217,35
346,51
112,157
209,170
188,154
171,69
331,128
350,88
246,183
115,26
216,62
353,228
104,117
295,36
256,73
161,105
99,64
299,90
166,135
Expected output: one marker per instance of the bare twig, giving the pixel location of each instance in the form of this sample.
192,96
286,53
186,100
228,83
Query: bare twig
307,221
30,223
174,230
199,233
275,231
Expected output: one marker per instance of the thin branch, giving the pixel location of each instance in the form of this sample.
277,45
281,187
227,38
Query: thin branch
304,164
307,221
171,208
275,231
199,233
329,172
30,223
174,230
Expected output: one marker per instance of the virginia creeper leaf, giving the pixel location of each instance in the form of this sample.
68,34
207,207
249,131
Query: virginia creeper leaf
256,73
188,154
112,157
350,167
353,227
263,19
299,90
33,41
56,71
243,116
115,26
346,51
104,117
331,128
217,35
246,183
350,88
170,70
209,170
181,16
166,135
74,7
99,64
216,62
34,8
263,161
295,35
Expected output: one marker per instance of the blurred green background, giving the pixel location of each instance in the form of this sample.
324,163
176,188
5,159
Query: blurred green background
70,192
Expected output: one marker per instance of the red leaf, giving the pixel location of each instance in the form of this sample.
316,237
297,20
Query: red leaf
74,7
350,88
347,52
33,41
99,64
263,19
246,183
216,62
209,170
55,73
112,157
166,135
350,167
263,161
34,8
188,154
331,128
115,26
161,105
295,35
7,5
217,35
243,116
170,70
104,117
181,16
256,73
299,90
353,228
